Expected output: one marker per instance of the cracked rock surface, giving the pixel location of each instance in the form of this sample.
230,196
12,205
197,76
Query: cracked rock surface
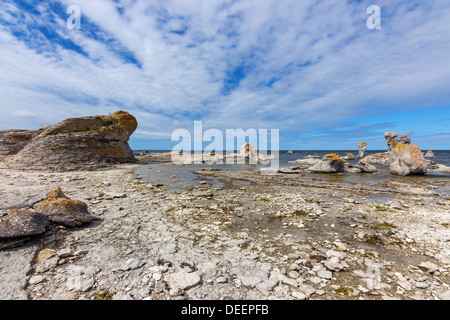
272,237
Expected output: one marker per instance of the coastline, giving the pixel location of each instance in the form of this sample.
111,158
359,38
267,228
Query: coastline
262,238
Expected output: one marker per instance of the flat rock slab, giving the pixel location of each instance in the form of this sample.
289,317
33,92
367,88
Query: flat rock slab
182,280
15,264
21,223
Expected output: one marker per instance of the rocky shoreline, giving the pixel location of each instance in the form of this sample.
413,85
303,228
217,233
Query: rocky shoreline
258,237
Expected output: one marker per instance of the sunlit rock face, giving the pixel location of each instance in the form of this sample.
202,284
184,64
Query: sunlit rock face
79,143
407,159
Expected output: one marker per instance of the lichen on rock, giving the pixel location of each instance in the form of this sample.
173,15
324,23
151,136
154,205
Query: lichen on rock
79,143
407,159
21,222
330,163
62,210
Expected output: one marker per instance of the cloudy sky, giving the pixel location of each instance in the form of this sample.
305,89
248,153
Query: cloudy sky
311,69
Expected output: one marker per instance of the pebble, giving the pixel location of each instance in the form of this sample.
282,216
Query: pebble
36,279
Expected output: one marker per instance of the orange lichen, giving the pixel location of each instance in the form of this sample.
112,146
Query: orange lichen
125,120
332,156
57,203
413,152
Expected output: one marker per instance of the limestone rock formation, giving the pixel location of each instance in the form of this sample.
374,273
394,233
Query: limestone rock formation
12,141
438,168
307,162
407,159
362,147
79,143
248,151
366,167
21,222
377,158
429,154
349,156
331,163
404,139
61,210
390,139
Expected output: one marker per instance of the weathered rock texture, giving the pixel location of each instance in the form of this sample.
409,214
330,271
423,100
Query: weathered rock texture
331,163
407,159
12,141
390,139
79,143
61,210
362,147
21,222
366,167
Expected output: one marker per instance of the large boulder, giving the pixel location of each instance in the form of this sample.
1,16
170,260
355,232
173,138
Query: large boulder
79,143
63,211
330,163
407,159
377,158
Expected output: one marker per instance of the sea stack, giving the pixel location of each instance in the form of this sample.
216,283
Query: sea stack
248,151
78,143
362,147
390,139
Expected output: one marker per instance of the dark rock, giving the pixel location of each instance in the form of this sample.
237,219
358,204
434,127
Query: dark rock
21,223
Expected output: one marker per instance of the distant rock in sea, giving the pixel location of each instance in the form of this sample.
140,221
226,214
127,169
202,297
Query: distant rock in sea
330,163
362,147
77,143
390,139
429,154
349,156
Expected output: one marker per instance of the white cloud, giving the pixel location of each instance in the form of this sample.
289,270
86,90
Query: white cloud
322,61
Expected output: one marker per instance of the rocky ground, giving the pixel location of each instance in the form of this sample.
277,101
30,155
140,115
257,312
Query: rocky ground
257,237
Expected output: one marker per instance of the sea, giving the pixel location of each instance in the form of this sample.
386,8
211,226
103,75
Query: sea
179,177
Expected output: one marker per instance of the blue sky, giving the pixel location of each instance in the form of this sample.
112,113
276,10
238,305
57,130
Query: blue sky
311,69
